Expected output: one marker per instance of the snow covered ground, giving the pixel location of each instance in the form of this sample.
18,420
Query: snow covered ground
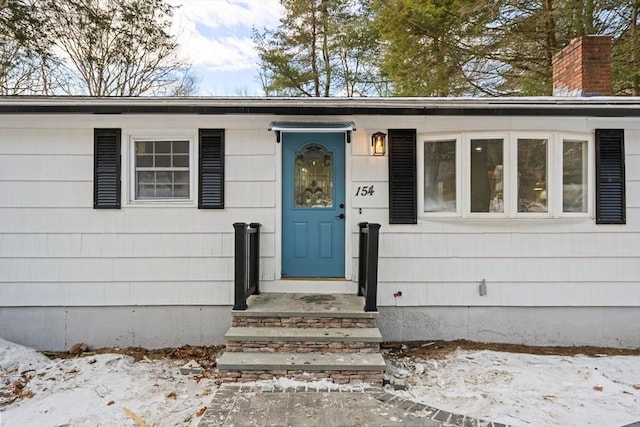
517,389
528,390
95,390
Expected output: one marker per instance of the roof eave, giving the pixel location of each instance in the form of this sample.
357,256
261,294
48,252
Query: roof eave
518,106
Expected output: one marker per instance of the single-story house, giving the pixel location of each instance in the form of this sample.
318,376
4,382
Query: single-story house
502,219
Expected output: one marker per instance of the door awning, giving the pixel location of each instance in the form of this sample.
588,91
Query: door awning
320,127
312,126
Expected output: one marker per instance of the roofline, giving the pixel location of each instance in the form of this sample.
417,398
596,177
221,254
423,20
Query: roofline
513,106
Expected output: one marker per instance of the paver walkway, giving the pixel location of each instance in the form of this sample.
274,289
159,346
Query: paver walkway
257,404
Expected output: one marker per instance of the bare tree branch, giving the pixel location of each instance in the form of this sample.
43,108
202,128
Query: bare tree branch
120,47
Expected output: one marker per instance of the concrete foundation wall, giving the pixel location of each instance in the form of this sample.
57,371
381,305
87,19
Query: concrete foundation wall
58,328
542,326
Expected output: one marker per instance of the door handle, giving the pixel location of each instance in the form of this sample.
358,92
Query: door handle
341,216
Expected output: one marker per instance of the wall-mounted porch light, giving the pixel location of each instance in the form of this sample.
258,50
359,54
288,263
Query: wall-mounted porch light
378,143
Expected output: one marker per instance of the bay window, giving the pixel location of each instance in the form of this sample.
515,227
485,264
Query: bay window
502,175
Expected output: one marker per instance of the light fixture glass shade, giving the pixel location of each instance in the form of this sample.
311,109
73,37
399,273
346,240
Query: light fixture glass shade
378,143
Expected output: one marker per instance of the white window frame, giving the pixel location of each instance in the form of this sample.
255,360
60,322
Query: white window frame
466,174
591,173
555,141
550,176
420,171
132,169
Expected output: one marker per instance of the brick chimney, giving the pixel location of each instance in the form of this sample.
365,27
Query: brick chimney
583,67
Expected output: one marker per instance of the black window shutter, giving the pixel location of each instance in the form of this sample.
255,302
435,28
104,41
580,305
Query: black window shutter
402,177
610,177
106,169
211,169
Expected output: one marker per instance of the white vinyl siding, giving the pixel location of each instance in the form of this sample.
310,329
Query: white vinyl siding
55,250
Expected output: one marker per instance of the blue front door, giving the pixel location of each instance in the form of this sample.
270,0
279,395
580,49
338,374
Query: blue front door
313,198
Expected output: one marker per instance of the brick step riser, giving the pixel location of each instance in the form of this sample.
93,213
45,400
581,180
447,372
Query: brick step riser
302,347
337,377
302,322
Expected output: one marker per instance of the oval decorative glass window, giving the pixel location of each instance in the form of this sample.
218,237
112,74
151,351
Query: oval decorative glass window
313,177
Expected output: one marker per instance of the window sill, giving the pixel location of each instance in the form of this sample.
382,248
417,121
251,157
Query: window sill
518,218
165,203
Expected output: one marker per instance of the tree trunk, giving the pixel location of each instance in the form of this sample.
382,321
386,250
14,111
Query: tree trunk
314,51
325,48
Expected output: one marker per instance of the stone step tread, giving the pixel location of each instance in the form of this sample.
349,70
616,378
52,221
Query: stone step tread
267,334
232,361
305,305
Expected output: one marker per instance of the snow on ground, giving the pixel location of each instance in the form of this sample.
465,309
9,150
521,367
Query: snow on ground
516,389
93,390
528,390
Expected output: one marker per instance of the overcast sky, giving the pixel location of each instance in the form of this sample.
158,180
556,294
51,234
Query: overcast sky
215,36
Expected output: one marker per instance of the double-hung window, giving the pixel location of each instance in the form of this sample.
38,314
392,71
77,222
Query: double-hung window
506,175
161,169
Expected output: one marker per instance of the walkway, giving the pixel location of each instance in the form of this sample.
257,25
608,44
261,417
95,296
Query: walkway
256,404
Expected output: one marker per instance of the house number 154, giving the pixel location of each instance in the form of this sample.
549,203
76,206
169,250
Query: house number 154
366,190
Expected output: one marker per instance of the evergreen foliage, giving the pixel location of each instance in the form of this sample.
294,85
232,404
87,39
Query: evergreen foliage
321,48
439,47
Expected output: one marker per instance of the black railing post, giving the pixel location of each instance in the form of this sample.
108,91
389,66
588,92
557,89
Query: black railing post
240,268
370,301
246,274
254,259
362,257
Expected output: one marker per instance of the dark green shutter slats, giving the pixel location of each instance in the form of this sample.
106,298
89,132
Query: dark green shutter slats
106,170
402,177
211,169
610,177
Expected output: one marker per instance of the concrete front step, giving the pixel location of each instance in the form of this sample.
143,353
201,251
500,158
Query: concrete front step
311,286
267,334
305,305
231,361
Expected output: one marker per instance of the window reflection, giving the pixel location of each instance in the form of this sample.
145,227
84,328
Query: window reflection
440,176
313,177
574,176
487,173
532,175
